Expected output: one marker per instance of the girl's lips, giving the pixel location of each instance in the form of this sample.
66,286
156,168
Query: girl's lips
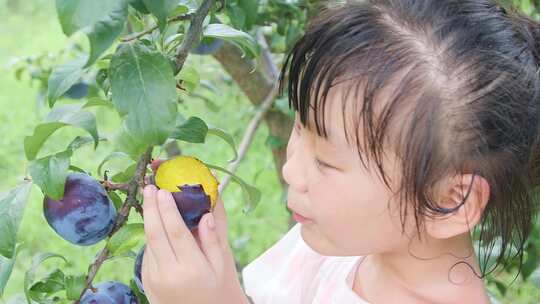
300,219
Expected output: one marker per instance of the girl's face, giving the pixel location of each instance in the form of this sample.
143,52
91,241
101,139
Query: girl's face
350,212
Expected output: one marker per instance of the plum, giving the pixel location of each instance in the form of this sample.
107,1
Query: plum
193,203
85,215
109,292
137,269
207,46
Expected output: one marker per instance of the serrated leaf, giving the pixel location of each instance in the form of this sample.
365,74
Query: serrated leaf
161,9
239,38
226,137
80,141
144,88
50,173
31,272
65,115
63,78
101,20
74,286
252,195
193,130
115,154
127,238
11,210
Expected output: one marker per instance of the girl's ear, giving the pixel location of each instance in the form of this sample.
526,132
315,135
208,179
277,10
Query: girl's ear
464,218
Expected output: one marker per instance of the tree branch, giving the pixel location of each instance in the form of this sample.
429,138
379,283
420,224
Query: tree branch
131,201
193,34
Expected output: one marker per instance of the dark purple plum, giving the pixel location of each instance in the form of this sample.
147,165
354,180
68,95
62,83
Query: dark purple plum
137,270
110,292
207,46
85,215
193,203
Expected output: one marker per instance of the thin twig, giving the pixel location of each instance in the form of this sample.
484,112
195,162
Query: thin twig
193,34
152,29
131,201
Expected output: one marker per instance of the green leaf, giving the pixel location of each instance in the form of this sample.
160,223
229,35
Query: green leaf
193,130
226,137
31,272
144,88
11,211
124,141
74,286
65,115
252,194
239,38
6,267
534,278
116,199
126,175
101,20
63,78
115,154
190,77
52,283
50,173
250,8
80,141
98,102
161,9
125,239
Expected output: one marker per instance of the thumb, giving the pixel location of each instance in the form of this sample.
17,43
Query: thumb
210,242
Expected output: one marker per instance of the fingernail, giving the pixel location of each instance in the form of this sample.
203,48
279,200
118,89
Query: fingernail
210,222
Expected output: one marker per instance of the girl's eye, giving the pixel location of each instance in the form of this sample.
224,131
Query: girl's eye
321,164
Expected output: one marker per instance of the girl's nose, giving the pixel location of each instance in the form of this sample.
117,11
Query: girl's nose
294,170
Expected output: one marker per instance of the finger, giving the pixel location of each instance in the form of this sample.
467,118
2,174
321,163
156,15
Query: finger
210,242
182,241
148,268
220,218
156,235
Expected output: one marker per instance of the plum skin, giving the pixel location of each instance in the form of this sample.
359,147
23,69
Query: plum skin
85,215
192,203
109,292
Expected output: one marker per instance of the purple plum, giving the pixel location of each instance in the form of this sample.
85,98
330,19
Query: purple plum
85,215
193,203
110,292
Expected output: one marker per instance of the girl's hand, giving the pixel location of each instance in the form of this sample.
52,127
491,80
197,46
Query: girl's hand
179,266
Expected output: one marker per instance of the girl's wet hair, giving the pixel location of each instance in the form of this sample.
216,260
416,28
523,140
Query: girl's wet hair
462,95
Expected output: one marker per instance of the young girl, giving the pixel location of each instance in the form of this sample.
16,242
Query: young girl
416,120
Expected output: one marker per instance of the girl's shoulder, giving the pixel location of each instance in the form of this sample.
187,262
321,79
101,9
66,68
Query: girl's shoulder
291,272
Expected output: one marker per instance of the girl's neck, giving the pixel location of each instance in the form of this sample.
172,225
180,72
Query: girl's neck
436,271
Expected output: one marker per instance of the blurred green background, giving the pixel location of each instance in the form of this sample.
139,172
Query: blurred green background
31,28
